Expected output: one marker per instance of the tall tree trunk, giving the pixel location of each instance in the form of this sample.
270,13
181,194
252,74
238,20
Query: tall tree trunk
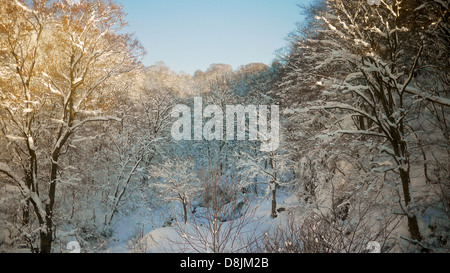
46,241
26,213
26,207
185,212
401,151
413,225
274,201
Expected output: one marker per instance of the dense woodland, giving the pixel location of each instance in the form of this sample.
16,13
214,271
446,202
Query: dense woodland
86,145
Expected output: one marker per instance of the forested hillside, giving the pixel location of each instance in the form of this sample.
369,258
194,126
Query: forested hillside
362,152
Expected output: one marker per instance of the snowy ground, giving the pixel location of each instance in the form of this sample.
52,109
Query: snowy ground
160,238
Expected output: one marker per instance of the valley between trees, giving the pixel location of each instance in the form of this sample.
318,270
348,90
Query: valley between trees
87,154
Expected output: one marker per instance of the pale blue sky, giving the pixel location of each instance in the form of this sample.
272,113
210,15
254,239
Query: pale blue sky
191,34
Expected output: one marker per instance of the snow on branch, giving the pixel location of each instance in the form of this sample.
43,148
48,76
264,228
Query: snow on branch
346,107
358,132
428,96
7,170
24,7
25,190
93,119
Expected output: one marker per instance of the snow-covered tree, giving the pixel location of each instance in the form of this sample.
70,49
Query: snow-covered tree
272,169
365,63
62,60
179,182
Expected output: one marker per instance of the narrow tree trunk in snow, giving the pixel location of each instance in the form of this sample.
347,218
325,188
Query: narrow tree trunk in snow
413,225
185,212
46,241
274,201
